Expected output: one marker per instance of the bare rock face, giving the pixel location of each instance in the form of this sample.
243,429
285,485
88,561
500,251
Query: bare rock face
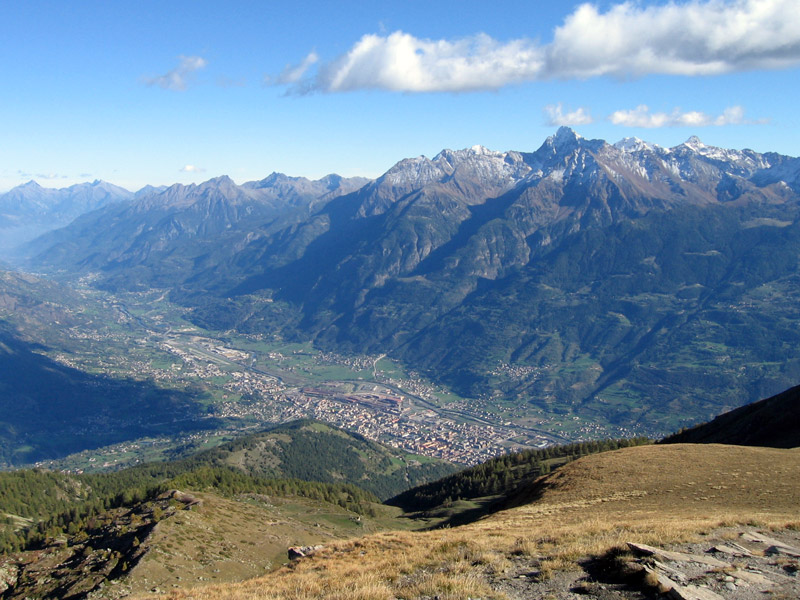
188,500
74,568
9,573
296,552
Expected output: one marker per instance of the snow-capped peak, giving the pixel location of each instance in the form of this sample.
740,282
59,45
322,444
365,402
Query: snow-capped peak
563,140
564,135
694,143
482,150
454,157
633,144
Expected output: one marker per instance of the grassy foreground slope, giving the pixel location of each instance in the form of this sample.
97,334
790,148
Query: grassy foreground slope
305,458
648,494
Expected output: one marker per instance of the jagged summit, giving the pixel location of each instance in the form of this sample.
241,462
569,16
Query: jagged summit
478,149
565,135
634,144
270,179
563,142
457,156
222,180
694,142
476,163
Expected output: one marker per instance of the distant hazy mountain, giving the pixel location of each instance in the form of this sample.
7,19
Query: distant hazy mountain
182,228
630,284
29,210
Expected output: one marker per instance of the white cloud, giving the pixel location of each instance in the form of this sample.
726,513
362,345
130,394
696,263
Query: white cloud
557,118
178,78
698,37
693,38
191,169
400,62
294,73
642,117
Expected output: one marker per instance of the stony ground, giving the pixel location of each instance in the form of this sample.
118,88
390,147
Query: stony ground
728,563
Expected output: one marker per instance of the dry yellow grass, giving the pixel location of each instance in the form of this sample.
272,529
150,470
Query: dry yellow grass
653,495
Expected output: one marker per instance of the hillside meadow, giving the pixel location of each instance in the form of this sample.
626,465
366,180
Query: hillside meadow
654,495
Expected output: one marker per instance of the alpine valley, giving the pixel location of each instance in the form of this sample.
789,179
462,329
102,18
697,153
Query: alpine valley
583,289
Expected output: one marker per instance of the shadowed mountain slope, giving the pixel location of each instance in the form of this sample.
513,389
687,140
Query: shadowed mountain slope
771,422
48,410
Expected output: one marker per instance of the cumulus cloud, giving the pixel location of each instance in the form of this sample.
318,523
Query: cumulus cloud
178,78
642,117
556,116
401,62
191,169
699,37
693,38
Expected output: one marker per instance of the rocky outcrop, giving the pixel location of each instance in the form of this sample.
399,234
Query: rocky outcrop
74,568
296,552
725,570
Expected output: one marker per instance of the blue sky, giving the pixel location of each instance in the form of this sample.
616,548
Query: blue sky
160,93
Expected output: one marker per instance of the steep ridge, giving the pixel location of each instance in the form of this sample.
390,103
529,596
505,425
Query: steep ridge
770,422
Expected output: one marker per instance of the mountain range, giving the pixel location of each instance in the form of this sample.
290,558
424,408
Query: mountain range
29,210
623,284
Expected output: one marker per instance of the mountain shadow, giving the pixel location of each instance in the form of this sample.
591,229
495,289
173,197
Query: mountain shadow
49,410
773,422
